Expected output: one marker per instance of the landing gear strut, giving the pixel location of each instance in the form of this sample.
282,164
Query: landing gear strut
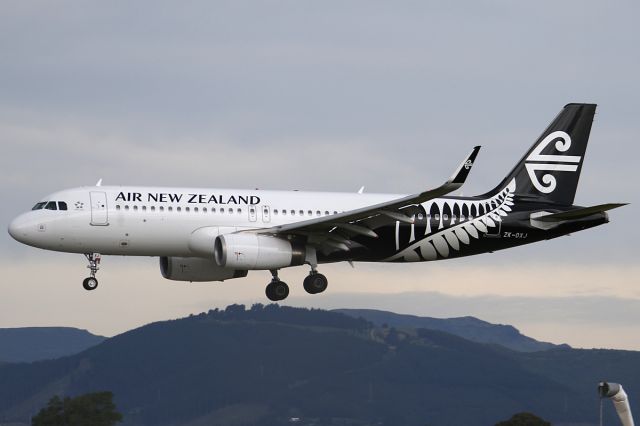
315,282
91,283
277,290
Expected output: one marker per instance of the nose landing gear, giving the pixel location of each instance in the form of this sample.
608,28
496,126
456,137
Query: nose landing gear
91,283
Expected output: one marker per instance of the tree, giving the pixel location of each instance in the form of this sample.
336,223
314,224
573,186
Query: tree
524,419
96,409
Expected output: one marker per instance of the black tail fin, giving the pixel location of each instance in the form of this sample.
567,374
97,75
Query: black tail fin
551,168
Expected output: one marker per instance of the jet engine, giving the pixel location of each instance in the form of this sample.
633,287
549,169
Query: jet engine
253,251
196,269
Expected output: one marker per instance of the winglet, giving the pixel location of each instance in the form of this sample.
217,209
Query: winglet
463,170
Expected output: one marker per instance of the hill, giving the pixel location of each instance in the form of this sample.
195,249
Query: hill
30,344
269,365
467,327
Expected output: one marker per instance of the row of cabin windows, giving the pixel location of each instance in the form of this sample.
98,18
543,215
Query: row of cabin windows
51,205
420,216
302,212
229,210
178,209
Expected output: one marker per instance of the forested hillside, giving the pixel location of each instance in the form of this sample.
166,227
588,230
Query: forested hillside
268,365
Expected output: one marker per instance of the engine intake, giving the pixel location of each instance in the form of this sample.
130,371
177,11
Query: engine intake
253,251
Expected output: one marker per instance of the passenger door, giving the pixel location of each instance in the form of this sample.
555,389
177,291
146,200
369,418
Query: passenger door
99,215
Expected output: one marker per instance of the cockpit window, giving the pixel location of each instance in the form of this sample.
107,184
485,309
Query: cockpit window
51,205
62,205
38,206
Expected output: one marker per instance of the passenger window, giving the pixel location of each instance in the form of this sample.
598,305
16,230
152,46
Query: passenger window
204,210
186,209
153,208
117,206
301,212
335,212
161,208
126,207
275,211
170,208
293,212
135,208
178,209
62,205
51,205
318,213
326,213
144,208
221,209
195,209
213,209
310,213
284,212
239,211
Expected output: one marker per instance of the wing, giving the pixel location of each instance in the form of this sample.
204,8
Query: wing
322,231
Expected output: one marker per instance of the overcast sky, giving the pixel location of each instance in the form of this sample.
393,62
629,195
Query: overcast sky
327,95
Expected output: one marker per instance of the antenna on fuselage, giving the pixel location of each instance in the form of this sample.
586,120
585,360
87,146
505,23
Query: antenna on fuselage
361,190
99,183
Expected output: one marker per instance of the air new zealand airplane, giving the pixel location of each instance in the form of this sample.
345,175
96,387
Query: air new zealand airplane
221,234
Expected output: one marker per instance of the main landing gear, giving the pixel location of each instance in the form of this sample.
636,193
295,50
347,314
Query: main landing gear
315,282
91,283
278,290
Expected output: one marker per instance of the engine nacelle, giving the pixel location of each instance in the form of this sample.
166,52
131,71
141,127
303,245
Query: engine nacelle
196,269
253,251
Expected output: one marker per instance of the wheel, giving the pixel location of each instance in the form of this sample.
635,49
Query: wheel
277,290
90,283
315,283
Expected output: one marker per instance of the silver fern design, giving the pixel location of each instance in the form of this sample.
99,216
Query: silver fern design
462,230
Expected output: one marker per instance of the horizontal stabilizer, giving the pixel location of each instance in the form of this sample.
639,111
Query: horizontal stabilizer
579,213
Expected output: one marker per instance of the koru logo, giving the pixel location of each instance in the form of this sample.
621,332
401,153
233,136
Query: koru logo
468,164
553,163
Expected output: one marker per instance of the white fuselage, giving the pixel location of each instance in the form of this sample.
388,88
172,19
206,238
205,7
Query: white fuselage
157,221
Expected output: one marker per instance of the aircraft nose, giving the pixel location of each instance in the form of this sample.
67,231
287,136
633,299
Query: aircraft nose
18,229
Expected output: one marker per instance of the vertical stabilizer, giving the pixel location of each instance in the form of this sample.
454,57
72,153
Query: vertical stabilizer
551,168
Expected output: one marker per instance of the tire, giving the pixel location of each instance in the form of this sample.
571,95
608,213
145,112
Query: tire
315,283
90,283
277,291
280,290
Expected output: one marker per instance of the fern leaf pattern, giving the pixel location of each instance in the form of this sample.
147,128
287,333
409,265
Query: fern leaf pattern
469,221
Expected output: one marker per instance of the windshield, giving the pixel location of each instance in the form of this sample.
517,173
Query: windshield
50,205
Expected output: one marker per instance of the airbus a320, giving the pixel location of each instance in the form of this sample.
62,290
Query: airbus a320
221,234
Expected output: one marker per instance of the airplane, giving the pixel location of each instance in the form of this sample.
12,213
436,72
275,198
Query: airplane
221,234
